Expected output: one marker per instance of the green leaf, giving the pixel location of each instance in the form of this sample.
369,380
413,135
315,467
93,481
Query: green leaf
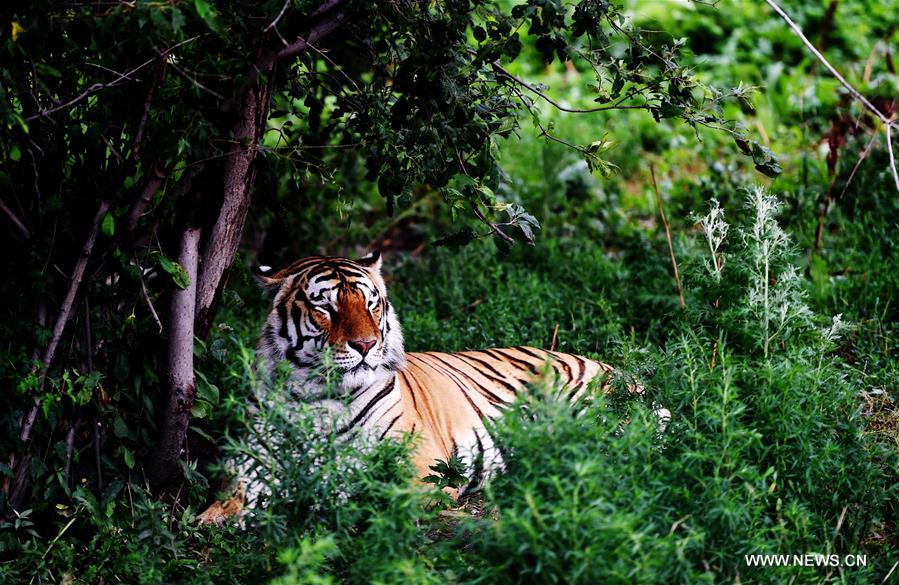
129,457
205,390
119,427
176,271
200,409
108,225
209,15
765,161
524,221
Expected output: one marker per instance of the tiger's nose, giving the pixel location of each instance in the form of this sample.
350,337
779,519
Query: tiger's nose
362,345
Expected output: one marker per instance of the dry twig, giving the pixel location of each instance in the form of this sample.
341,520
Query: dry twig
680,290
887,122
16,221
64,311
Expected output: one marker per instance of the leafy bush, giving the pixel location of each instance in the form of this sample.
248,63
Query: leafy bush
600,497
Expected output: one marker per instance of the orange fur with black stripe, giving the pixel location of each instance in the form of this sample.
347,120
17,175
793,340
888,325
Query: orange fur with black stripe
341,304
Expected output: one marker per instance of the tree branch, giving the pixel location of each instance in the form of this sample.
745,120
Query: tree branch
64,311
96,87
505,73
274,23
892,156
321,30
193,308
20,225
493,227
157,178
887,122
145,114
143,288
70,450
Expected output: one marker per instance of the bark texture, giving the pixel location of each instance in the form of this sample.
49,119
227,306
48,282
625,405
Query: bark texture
224,237
180,364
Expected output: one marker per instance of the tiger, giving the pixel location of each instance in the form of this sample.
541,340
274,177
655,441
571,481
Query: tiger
445,399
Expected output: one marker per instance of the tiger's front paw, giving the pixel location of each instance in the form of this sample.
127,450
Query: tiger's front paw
219,512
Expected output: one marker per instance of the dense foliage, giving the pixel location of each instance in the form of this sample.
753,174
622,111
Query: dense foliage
408,125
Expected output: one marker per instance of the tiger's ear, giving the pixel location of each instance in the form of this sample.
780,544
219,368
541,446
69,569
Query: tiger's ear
267,277
373,260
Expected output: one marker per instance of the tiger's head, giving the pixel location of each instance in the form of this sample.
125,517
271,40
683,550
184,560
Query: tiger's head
336,303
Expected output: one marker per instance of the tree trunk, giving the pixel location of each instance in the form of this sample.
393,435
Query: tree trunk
194,307
224,237
180,364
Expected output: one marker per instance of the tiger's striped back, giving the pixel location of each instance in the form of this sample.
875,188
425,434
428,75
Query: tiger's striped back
446,398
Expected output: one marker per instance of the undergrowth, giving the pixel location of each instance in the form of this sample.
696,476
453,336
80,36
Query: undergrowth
771,447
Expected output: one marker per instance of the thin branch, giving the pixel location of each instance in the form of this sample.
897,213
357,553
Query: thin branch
855,93
274,23
193,79
143,288
616,106
64,311
333,64
680,290
77,275
892,156
265,63
70,450
320,31
145,115
549,136
112,149
89,358
37,178
493,227
281,37
97,460
96,87
88,338
58,536
121,75
885,579
887,122
157,177
20,225
28,419
829,198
